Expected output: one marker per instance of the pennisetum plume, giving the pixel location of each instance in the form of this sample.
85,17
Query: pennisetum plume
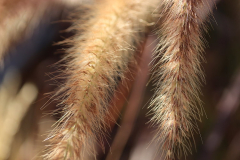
178,75
100,54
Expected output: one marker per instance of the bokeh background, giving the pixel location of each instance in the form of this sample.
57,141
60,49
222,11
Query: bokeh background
27,83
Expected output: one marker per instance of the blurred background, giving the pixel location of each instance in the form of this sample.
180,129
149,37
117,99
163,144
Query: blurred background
27,81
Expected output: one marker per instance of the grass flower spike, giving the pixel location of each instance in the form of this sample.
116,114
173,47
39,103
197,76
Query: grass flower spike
178,76
100,54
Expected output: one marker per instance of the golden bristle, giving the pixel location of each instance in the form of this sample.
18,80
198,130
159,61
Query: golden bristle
178,76
101,52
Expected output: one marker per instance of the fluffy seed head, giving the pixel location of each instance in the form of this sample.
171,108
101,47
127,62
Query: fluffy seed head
178,76
100,54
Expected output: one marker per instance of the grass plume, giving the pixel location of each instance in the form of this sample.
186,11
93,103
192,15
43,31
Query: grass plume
100,54
178,76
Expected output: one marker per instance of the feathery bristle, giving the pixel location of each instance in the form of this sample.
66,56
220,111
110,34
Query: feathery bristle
178,76
96,60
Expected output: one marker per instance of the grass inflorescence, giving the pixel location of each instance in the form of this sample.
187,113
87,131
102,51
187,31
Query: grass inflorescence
178,76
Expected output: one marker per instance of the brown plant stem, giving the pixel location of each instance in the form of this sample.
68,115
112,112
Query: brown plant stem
132,108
